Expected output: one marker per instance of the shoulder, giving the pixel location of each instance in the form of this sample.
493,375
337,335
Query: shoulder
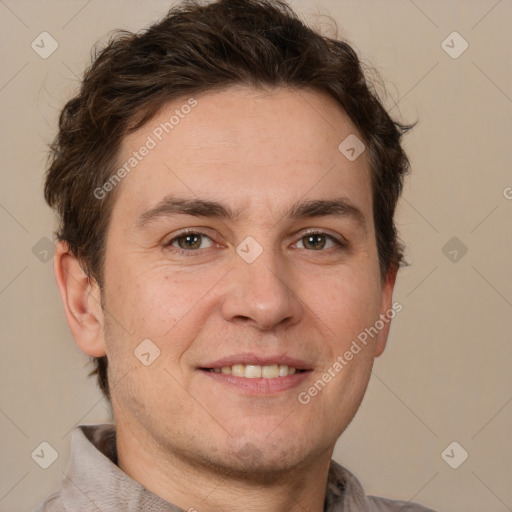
386,505
345,492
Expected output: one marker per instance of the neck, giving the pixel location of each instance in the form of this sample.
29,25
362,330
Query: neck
209,489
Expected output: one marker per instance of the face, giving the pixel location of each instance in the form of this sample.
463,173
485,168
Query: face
242,245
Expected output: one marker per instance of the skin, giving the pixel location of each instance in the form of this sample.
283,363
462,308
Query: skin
227,449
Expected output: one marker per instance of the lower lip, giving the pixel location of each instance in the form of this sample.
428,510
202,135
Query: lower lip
259,386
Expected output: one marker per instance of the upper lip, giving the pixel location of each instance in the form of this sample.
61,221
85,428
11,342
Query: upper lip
256,359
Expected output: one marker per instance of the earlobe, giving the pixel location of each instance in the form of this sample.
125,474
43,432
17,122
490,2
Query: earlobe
81,298
386,308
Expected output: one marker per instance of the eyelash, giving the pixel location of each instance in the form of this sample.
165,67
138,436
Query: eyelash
340,245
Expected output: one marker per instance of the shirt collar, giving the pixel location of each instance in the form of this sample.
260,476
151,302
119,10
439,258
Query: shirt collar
93,481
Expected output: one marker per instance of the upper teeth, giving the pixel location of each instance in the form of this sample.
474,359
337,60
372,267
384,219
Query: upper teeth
254,371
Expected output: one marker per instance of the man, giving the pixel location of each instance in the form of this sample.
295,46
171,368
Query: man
226,182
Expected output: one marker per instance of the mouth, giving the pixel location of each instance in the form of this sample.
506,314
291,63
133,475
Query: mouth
256,376
256,371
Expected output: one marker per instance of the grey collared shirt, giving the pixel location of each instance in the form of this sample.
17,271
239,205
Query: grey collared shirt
94,482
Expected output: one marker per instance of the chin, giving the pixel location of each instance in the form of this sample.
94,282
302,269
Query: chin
263,460
251,464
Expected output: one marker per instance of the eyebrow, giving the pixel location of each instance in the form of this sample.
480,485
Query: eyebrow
170,206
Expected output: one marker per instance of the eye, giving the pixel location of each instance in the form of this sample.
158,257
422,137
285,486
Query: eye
318,241
190,241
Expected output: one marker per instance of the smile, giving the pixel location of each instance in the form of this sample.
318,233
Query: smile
255,371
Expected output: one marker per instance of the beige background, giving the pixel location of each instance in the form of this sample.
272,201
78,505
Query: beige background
446,373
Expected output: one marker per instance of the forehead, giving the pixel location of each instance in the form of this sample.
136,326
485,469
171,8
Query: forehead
244,146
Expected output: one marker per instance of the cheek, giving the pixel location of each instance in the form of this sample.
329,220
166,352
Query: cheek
347,301
161,304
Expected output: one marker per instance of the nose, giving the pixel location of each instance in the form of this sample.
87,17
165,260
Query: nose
261,294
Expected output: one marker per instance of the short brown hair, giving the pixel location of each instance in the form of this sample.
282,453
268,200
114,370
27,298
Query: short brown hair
200,47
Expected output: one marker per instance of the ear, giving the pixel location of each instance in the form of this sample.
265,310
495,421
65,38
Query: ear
81,298
387,311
